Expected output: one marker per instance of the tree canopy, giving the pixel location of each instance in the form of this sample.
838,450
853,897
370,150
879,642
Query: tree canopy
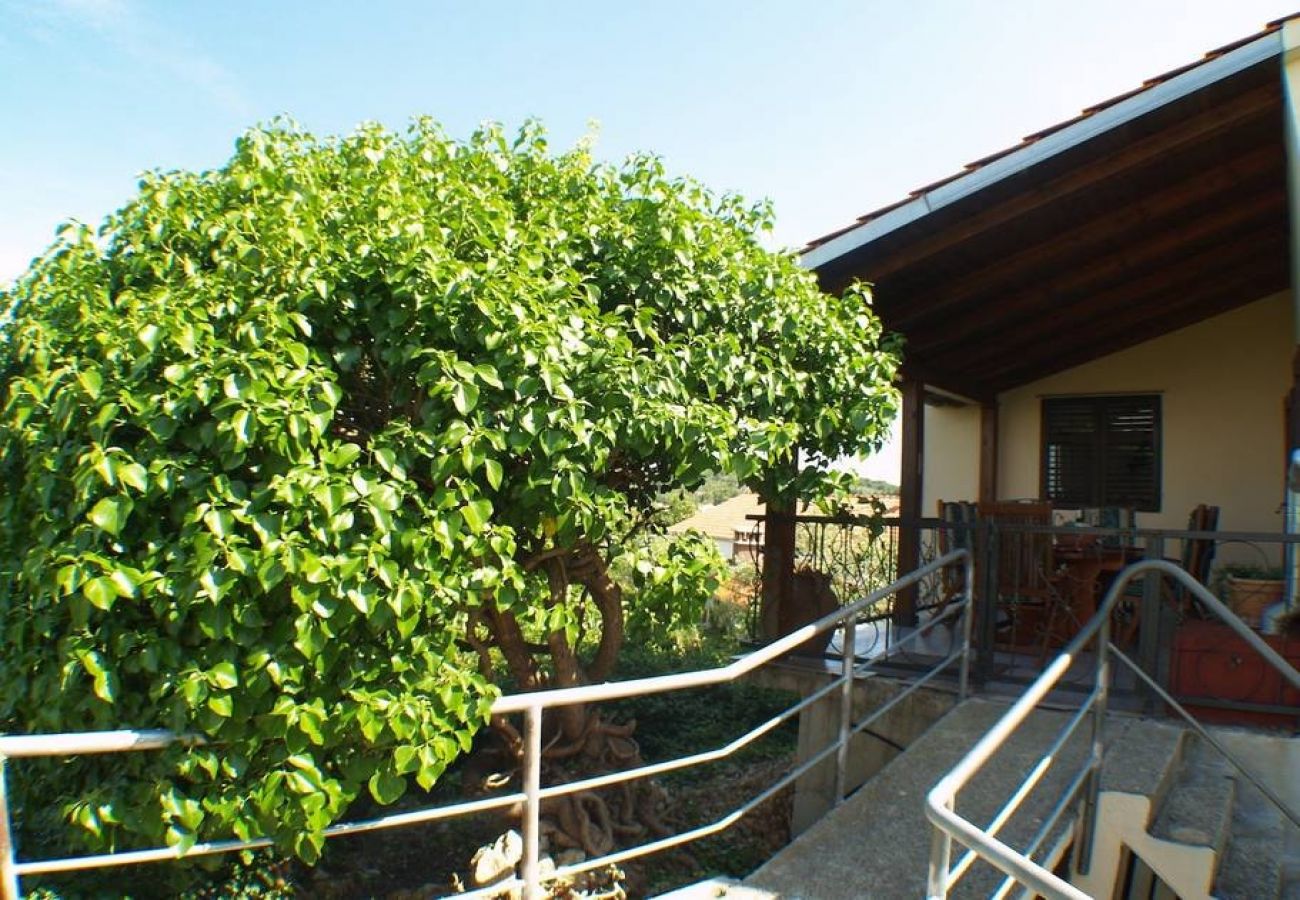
310,453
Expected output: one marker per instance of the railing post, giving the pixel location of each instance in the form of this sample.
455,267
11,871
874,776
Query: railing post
987,547
1099,706
532,800
848,648
1149,632
940,862
967,616
8,877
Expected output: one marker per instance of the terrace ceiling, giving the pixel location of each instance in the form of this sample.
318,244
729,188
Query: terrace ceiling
1156,222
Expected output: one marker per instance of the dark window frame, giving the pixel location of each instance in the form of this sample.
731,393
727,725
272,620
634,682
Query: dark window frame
1102,450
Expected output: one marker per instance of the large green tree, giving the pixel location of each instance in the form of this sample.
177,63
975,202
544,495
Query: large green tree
311,453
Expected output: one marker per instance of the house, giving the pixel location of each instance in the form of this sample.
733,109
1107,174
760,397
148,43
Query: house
1105,314
729,525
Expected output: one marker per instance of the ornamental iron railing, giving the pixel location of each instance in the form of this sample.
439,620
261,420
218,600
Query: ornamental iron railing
1157,620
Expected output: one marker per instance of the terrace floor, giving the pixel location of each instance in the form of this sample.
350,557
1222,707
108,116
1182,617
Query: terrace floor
1012,669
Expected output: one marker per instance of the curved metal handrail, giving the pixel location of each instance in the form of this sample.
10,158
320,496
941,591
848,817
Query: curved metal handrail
532,705
939,803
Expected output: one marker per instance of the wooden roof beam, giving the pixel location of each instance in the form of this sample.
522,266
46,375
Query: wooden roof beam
1130,302
1094,278
1233,176
1190,314
1178,310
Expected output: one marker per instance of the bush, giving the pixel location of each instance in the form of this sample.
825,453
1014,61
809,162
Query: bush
299,454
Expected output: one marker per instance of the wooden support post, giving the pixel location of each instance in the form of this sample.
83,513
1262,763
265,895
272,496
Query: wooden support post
909,495
988,491
778,566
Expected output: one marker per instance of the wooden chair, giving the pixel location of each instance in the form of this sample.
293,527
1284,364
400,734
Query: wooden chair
957,533
1026,571
1197,558
1198,553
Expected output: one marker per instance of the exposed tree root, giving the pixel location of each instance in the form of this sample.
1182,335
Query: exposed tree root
578,742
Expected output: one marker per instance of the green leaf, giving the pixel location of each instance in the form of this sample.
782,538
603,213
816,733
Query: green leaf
464,396
454,433
303,763
134,475
387,460
103,681
385,497
405,759
92,381
270,573
345,454
311,726
235,386
219,522
362,599
476,514
100,592
110,514
241,423
150,335
223,675
492,469
125,582
386,786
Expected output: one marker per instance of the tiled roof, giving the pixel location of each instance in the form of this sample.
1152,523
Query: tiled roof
1039,135
723,519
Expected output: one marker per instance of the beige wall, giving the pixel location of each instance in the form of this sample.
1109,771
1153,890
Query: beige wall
952,455
1222,383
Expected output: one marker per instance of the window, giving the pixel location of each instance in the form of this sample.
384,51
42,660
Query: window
1102,451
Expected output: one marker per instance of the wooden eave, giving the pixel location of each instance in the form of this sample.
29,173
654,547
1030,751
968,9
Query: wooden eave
1167,218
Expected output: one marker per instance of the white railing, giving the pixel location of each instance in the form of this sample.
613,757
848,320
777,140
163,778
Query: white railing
1019,866
532,706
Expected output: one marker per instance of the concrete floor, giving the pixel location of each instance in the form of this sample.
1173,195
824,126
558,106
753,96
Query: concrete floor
1013,669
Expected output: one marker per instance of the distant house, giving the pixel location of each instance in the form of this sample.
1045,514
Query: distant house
1106,313
728,524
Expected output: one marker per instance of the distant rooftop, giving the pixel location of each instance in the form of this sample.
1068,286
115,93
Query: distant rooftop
723,520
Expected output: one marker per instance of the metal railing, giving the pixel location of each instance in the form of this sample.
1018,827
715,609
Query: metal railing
532,706
1020,866
1155,604
859,555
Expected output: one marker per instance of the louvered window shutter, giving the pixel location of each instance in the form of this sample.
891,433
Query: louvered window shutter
1102,451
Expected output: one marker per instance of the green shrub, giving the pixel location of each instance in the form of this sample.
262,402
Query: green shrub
298,455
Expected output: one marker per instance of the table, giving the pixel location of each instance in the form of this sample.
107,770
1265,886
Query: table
1082,563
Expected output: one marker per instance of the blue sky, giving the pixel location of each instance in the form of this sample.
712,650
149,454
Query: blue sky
830,108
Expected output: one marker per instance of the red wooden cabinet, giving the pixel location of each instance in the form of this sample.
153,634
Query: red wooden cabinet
1210,661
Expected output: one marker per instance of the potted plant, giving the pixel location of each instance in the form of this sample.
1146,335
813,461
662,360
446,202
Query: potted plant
1249,590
